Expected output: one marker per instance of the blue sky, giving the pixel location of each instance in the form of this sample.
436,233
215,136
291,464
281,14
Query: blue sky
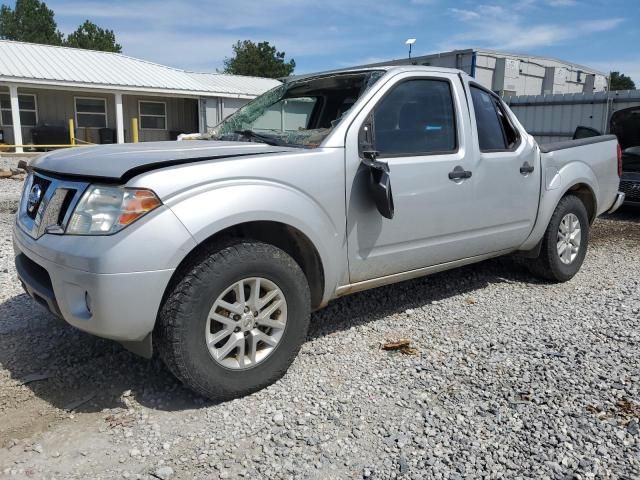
197,35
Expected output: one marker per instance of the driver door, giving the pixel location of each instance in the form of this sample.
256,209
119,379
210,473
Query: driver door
420,133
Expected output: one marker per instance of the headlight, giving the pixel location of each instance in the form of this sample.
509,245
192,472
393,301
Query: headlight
103,210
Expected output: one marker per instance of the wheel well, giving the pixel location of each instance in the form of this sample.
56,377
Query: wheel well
586,195
280,235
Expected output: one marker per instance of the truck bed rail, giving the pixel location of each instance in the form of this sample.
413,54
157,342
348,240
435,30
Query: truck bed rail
552,147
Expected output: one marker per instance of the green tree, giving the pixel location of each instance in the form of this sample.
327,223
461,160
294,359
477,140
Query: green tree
619,81
30,21
260,60
91,37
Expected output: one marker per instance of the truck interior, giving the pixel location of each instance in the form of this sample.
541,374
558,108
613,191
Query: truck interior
625,124
331,97
301,112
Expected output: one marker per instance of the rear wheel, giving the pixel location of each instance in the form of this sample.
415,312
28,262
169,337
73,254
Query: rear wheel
236,319
564,245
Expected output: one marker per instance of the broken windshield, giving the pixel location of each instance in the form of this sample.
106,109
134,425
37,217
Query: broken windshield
300,113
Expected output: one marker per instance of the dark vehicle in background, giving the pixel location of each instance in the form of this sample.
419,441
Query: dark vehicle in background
630,180
625,124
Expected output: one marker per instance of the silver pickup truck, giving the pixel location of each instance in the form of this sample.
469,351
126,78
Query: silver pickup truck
214,251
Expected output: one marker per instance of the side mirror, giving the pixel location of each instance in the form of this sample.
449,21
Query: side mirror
380,179
380,183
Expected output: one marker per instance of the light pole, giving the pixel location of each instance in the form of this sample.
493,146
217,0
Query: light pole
410,42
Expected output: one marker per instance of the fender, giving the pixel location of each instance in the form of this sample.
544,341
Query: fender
220,205
556,183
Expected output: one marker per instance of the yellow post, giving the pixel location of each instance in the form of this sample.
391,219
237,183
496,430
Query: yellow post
72,133
134,129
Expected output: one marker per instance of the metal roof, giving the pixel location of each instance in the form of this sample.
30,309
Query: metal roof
73,67
558,61
482,51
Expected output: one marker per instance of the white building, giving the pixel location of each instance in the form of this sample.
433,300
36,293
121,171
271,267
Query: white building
515,74
42,87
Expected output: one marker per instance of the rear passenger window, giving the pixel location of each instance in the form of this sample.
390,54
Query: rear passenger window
416,118
495,131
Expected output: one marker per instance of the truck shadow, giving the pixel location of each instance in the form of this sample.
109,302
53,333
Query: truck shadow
622,226
372,305
626,213
87,374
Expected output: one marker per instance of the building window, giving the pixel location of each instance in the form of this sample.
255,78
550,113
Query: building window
28,109
91,112
153,115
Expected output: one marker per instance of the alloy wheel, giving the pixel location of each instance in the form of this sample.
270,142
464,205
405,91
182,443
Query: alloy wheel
246,323
569,238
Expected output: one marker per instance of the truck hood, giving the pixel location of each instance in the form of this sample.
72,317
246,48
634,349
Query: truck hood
121,162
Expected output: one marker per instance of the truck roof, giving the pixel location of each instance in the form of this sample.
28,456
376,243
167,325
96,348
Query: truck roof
387,68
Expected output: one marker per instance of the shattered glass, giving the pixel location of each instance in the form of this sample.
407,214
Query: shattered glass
264,118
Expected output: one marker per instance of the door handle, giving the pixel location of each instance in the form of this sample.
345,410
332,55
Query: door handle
526,169
459,173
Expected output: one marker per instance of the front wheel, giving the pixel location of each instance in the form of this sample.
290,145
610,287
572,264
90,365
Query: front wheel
235,321
564,245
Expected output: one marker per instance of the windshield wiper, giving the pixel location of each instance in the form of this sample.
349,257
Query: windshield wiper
262,138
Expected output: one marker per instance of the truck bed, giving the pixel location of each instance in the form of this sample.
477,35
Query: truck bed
592,161
551,147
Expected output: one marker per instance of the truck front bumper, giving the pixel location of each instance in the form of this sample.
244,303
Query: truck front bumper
72,277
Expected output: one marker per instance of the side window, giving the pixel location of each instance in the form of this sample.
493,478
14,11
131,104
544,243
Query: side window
495,131
510,133
416,118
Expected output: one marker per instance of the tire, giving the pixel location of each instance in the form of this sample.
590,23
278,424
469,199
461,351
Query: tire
187,319
549,264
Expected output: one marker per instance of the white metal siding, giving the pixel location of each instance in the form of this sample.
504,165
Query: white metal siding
231,105
210,106
552,118
522,74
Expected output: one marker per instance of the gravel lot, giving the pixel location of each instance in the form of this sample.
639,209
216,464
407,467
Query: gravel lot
512,378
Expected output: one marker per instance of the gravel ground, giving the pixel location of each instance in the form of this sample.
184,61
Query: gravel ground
511,378
7,162
10,191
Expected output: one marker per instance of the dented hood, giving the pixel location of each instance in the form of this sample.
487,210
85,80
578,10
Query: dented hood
120,162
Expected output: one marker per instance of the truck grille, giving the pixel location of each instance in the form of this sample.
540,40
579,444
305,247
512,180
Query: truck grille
43,184
631,190
47,204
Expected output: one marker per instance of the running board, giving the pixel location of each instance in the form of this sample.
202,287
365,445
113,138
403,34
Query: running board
419,272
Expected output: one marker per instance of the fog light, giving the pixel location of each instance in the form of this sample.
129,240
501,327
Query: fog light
87,301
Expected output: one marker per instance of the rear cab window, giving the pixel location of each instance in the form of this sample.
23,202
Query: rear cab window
495,130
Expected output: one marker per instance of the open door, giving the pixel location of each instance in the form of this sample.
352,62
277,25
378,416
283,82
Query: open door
625,124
